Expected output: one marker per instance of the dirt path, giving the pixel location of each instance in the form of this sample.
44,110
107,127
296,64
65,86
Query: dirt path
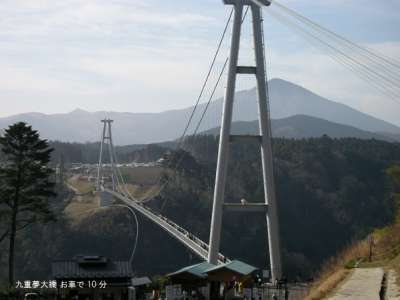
363,284
78,195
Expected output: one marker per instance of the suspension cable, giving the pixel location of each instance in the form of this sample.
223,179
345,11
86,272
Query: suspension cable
216,84
119,178
370,60
137,228
384,59
181,139
133,252
210,98
206,80
180,160
342,58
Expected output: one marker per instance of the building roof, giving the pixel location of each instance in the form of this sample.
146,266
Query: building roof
90,267
139,281
236,266
205,271
197,270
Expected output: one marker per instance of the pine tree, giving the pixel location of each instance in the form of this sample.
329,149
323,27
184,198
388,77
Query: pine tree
25,184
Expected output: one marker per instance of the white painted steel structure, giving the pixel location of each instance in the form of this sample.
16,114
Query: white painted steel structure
264,137
106,136
120,192
211,252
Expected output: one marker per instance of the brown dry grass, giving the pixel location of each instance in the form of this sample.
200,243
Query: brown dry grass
82,204
333,272
327,285
386,253
79,210
395,265
83,186
388,249
142,192
143,175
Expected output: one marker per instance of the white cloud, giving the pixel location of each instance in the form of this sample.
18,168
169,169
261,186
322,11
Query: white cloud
91,18
147,56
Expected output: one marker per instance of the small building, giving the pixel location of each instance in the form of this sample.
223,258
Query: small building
93,278
141,286
194,274
191,279
231,279
211,281
234,270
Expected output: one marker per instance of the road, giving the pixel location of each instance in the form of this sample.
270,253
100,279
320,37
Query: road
363,284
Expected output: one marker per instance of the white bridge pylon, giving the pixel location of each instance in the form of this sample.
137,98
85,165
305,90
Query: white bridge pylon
120,192
264,138
106,136
211,252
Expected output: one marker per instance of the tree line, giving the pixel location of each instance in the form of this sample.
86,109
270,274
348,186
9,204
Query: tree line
330,191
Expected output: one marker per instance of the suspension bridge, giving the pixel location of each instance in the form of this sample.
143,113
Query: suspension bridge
382,72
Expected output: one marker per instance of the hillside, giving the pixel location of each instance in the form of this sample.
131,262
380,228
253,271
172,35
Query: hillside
302,126
297,127
330,192
287,99
380,250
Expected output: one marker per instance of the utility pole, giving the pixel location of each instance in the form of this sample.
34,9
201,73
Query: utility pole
264,138
371,244
106,136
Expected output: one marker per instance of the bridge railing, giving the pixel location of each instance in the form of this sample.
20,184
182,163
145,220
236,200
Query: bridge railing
191,241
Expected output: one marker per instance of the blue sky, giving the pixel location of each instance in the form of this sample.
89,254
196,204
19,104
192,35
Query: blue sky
147,56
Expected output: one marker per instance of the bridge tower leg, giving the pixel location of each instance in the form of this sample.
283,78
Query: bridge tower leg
106,136
264,137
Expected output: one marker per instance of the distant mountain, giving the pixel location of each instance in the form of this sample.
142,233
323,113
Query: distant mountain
286,100
302,126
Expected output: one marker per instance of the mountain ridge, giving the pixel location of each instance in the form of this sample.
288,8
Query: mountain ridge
302,126
286,99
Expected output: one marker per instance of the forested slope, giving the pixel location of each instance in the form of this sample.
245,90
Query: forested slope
330,192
